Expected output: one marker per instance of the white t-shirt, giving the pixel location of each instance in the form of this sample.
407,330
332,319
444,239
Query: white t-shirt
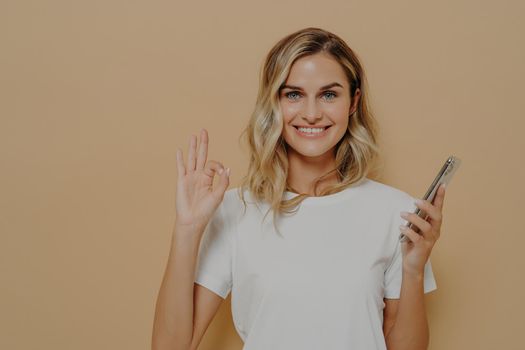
319,286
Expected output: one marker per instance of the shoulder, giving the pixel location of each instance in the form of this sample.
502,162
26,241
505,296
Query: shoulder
387,195
232,198
233,203
225,215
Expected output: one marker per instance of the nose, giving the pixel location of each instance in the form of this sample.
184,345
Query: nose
311,113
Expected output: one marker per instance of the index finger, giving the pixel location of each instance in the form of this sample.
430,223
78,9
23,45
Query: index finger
440,197
430,209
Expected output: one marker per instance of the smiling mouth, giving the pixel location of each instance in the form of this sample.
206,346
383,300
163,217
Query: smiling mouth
312,132
311,127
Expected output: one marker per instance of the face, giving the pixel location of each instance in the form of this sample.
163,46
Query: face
315,103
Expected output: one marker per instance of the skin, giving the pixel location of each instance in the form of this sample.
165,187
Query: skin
405,324
313,106
404,320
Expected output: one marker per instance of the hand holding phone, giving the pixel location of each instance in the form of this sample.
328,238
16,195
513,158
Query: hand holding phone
443,177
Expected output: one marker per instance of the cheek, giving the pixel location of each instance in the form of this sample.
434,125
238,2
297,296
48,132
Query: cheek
287,131
289,110
338,110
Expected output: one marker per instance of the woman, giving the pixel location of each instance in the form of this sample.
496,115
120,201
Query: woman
330,271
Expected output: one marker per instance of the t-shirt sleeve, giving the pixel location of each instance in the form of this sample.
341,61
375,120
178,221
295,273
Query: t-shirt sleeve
394,272
214,262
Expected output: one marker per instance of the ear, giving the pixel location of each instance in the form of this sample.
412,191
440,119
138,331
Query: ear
355,101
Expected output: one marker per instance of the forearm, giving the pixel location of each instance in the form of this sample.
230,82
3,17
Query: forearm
410,330
173,322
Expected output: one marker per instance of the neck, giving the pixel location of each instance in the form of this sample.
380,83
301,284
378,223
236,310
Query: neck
303,171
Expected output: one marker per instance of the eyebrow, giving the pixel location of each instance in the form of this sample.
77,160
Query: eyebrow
299,88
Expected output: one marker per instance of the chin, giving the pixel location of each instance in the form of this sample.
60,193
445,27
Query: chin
313,148
311,153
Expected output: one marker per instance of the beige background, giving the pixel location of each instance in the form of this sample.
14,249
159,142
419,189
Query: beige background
97,95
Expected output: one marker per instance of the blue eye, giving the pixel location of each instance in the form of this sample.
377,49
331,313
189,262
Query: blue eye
290,93
330,93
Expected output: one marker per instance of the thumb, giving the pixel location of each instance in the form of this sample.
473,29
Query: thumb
224,181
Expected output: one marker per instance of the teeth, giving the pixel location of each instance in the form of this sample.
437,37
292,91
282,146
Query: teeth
311,130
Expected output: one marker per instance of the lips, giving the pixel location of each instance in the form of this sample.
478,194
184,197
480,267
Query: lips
312,135
312,127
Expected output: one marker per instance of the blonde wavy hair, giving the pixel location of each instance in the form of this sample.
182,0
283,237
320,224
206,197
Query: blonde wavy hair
356,154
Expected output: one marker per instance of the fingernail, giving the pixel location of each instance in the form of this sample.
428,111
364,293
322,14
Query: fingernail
404,214
228,171
418,201
402,227
221,170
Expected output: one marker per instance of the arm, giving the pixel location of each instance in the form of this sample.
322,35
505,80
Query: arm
405,322
173,322
409,330
184,309
180,318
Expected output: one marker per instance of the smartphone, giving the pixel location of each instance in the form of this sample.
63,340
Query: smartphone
443,177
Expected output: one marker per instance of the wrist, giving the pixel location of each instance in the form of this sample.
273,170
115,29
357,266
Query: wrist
417,274
188,230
